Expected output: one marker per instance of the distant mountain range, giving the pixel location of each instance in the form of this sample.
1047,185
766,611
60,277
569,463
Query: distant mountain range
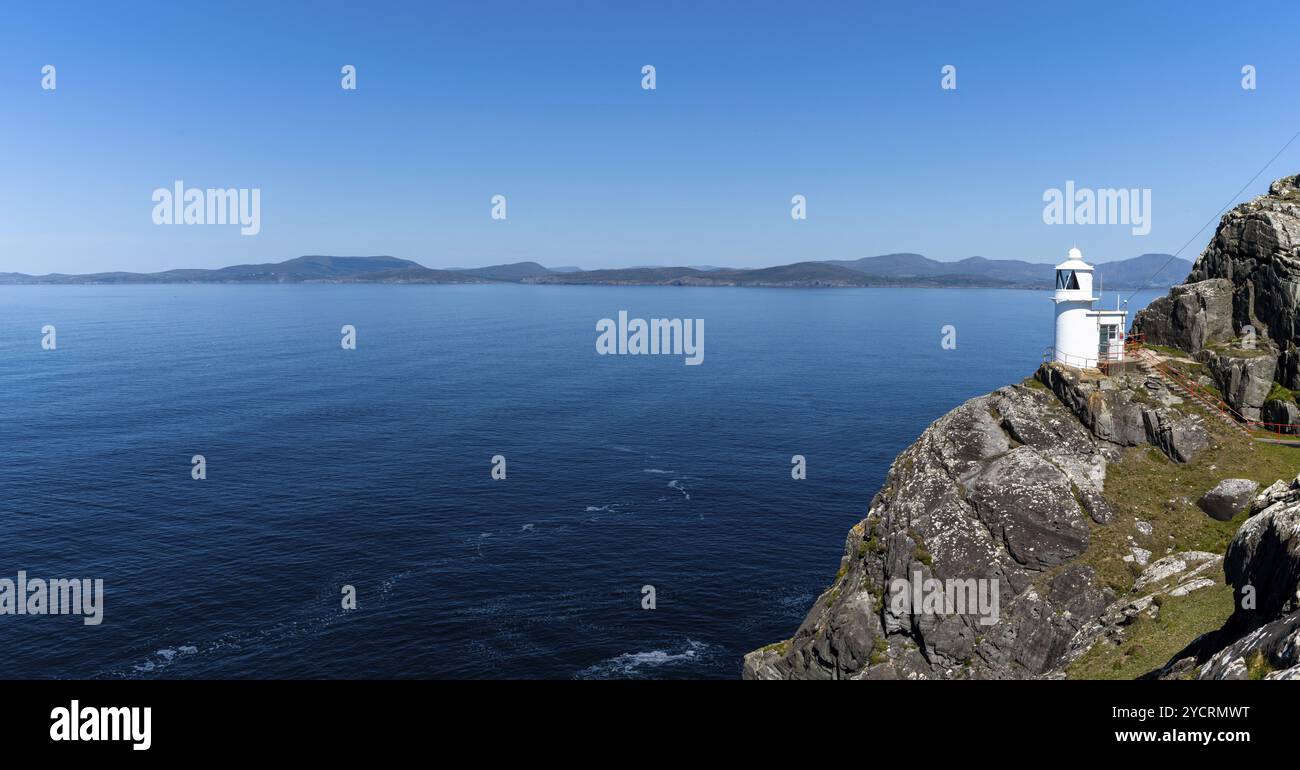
887,270
313,269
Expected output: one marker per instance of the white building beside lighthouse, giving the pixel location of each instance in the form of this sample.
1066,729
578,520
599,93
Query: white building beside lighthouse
1085,336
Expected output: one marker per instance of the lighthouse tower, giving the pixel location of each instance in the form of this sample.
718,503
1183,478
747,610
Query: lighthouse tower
1085,336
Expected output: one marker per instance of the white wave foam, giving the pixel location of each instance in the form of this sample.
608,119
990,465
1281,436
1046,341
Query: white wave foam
642,664
163,658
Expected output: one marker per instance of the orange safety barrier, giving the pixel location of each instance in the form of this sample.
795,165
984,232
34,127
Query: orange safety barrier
1135,348
1207,398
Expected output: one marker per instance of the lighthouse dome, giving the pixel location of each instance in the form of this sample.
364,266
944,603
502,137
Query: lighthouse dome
1074,261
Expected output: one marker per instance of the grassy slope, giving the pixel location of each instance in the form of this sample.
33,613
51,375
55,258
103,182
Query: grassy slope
1148,486
1151,643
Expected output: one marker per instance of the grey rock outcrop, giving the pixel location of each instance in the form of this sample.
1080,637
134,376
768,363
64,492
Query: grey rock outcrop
1190,316
1177,574
1273,493
992,491
1279,414
1228,498
1239,311
1119,415
1002,489
1244,379
1261,639
1026,502
1256,248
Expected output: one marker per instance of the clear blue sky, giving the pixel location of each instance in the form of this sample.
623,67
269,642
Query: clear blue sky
542,102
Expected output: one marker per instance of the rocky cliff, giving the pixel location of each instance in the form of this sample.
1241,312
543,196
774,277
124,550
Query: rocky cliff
1261,640
1070,501
1237,312
1008,487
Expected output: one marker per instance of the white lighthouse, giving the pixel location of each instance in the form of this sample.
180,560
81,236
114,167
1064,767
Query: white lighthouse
1085,337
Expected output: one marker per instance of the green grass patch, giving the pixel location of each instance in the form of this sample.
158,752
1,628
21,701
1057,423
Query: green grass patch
879,651
920,553
1146,485
1280,393
1235,350
1151,643
1165,350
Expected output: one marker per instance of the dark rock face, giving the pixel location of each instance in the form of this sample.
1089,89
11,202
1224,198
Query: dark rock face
1280,413
1272,647
1265,555
1179,437
999,489
1255,254
1190,316
1115,413
986,494
1244,380
1262,637
1228,498
1026,501
1257,248
1243,292
1110,415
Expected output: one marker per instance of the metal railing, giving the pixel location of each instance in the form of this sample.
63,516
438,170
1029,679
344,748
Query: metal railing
1211,400
1135,349
1104,360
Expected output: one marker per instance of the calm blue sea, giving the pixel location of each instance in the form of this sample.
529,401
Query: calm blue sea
371,467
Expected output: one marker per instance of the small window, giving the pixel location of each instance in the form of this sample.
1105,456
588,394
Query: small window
1066,279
